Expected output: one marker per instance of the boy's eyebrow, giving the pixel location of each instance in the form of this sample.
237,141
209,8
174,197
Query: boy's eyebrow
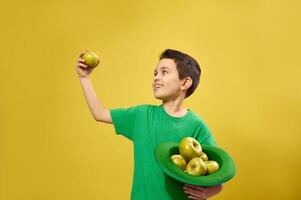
162,68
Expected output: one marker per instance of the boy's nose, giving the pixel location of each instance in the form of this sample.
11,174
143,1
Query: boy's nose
156,77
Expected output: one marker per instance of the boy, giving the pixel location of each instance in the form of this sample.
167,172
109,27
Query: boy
175,78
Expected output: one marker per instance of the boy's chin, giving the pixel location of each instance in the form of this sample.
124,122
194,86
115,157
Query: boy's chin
159,98
162,98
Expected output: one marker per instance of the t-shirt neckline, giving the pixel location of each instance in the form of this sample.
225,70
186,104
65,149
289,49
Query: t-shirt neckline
173,117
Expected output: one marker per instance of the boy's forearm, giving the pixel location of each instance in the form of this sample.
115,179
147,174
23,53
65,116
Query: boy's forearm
93,101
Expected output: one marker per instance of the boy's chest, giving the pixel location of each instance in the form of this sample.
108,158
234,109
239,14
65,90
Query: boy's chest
156,132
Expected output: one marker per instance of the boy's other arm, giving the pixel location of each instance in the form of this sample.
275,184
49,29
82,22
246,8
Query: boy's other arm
99,113
198,192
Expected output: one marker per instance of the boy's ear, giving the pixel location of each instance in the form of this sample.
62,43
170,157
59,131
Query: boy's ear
186,83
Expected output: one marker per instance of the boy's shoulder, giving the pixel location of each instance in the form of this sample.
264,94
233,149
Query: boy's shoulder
194,115
141,107
198,118
147,108
144,107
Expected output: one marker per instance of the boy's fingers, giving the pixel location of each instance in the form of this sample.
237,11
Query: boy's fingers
82,65
195,193
82,53
81,60
194,186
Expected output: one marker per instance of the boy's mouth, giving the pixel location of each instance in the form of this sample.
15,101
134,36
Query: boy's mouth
157,86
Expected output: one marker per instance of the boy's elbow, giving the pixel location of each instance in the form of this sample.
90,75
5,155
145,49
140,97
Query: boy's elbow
105,116
96,118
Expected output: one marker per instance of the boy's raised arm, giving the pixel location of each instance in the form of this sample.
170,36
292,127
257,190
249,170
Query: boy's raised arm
97,109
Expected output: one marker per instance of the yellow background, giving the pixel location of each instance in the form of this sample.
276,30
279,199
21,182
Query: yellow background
249,94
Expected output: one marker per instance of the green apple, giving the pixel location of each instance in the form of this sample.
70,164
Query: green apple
212,166
91,58
179,161
196,167
190,148
204,157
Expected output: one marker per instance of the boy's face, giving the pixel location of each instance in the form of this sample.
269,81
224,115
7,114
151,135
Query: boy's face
166,83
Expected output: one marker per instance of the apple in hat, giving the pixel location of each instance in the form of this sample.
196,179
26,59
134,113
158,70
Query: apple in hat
190,148
179,161
204,157
212,166
196,167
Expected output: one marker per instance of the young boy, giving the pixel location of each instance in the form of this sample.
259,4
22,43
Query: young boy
175,78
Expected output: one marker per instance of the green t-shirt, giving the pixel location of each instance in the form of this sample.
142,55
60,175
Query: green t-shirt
147,126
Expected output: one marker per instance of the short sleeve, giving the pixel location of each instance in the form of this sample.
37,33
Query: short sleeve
124,120
205,136
209,140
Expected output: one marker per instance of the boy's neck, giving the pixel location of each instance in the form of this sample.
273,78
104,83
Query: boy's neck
175,108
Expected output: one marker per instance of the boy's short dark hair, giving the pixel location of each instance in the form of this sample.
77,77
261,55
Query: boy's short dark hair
187,66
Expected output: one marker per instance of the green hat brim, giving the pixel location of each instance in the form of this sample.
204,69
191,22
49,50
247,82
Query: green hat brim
226,171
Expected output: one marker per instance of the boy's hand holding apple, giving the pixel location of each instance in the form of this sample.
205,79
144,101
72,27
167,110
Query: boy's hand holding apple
86,63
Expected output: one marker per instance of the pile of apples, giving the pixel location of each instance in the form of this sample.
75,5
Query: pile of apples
192,160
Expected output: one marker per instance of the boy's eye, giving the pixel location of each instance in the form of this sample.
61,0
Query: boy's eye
162,72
